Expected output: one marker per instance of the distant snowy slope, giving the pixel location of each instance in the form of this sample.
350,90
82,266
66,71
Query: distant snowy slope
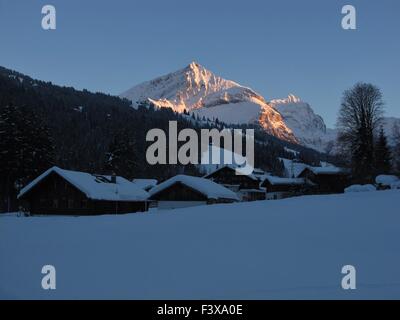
198,90
308,127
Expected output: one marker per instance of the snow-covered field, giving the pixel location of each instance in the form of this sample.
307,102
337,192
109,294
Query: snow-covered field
290,249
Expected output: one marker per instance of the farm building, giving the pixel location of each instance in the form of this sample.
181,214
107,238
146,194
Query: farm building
246,186
327,179
185,191
63,192
279,188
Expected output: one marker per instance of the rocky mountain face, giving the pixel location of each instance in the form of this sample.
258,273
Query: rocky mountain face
197,90
308,127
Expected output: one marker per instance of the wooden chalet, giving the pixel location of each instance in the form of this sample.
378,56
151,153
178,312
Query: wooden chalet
327,179
185,191
246,186
279,188
145,184
63,192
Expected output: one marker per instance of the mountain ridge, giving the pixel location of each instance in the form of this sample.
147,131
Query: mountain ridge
196,89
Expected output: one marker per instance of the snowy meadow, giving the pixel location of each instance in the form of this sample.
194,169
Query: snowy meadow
285,249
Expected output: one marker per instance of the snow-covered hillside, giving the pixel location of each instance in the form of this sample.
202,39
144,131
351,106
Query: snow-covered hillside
308,127
198,90
290,249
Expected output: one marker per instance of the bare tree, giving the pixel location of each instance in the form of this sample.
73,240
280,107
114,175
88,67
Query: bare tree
359,119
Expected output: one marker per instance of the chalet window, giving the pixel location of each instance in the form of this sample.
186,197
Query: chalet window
42,202
55,203
84,203
70,203
64,202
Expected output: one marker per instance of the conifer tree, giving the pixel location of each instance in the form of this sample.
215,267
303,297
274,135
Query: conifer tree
26,150
396,149
121,156
382,154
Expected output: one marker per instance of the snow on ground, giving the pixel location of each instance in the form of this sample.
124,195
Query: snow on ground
293,249
360,188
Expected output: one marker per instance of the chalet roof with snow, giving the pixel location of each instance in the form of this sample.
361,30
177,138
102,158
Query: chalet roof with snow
329,170
283,181
292,167
145,184
233,168
208,188
95,187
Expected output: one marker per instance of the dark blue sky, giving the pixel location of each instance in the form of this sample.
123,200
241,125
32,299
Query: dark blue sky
274,47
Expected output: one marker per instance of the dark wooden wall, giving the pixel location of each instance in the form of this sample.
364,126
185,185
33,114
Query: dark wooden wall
327,183
282,187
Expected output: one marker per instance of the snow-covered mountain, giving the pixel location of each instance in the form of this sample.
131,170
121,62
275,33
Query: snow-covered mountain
308,127
203,93
198,90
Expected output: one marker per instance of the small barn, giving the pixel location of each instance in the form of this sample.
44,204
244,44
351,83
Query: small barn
246,186
279,188
327,179
64,192
186,191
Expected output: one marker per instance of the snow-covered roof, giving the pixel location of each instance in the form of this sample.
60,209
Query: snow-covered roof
206,187
293,168
259,173
284,181
328,170
145,183
232,167
96,187
386,180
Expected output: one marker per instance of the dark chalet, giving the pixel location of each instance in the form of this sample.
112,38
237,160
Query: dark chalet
64,192
186,191
279,188
327,179
226,175
246,186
